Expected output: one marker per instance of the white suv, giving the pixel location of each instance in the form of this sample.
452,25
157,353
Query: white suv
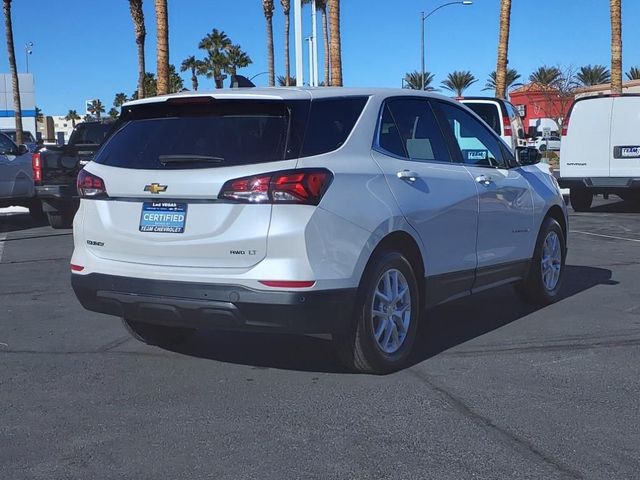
312,211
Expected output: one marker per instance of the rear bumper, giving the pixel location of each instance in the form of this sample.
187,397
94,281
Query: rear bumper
221,307
56,191
602,184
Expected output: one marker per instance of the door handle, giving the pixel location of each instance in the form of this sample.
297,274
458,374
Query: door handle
484,180
407,175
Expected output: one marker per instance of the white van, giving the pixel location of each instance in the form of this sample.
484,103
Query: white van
600,150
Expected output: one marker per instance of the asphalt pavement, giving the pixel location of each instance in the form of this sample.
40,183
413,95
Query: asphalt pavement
497,389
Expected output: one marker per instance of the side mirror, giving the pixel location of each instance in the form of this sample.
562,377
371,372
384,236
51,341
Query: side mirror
528,155
22,149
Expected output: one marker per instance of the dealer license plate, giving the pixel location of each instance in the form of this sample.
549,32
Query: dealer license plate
163,217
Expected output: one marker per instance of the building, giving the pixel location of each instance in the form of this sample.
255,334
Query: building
632,86
27,100
62,125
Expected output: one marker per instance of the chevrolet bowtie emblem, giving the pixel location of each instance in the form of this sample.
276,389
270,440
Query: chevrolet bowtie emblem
155,188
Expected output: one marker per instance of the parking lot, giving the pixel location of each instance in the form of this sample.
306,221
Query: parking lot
497,389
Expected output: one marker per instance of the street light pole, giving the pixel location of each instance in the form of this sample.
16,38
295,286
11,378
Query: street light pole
27,51
423,18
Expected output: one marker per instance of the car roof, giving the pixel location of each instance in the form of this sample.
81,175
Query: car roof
289,93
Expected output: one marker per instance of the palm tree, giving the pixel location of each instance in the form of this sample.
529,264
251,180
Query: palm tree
190,63
335,48
96,108
119,99
503,49
176,84
413,80
616,46
216,44
8,27
87,118
267,6
138,24
459,81
593,75
282,81
547,76
510,82
633,73
286,10
72,116
236,58
162,50
114,113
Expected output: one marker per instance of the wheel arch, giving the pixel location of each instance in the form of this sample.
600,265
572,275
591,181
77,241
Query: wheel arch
557,214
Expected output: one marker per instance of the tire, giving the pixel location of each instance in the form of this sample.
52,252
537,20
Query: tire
60,220
581,199
35,210
158,335
542,286
358,348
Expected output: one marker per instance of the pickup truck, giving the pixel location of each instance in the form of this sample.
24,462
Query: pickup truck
16,183
55,169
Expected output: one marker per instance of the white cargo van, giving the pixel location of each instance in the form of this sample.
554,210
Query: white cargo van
600,150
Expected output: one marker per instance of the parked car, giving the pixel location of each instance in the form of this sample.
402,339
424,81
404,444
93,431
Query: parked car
16,181
340,211
501,116
541,144
55,169
600,151
27,138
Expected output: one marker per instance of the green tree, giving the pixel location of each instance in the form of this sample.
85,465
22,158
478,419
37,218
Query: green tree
114,113
511,80
413,80
215,44
192,65
335,43
591,75
176,84
39,115
282,81
501,72
162,48
459,81
547,76
72,116
633,73
286,10
15,87
120,99
615,7
96,108
236,59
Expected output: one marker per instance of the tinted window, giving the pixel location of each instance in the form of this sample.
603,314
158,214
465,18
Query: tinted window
330,123
489,113
6,145
89,134
389,136
419,133
477,144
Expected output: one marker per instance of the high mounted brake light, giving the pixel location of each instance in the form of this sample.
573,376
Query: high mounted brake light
305,186
91,186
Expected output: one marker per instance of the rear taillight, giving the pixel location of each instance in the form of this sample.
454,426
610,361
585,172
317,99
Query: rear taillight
565,125
305,186
36,163
506,126
90,186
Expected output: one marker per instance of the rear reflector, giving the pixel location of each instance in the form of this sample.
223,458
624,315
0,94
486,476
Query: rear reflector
76,268
288,283
305,186
90,185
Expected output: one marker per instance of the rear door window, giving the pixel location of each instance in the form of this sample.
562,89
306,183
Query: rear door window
409,128
90,133
489,113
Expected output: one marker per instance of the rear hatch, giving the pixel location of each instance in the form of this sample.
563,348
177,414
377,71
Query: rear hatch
163,170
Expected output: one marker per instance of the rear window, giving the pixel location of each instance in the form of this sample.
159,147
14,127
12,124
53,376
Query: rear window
489,113
218,133
90,133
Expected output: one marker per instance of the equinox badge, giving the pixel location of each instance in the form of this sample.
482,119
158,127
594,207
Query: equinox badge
155,188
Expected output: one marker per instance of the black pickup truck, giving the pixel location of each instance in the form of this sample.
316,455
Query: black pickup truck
55,170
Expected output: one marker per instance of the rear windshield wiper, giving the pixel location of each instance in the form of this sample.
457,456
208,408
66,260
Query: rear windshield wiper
166,159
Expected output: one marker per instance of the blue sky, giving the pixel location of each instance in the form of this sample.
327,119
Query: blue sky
85,49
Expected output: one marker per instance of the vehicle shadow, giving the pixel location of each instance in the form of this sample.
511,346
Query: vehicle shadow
14,222
442,328
616,207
